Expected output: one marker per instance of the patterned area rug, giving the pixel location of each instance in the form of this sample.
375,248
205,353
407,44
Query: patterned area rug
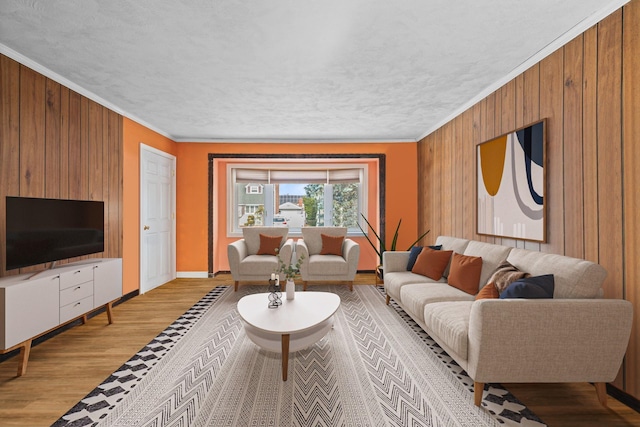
376,367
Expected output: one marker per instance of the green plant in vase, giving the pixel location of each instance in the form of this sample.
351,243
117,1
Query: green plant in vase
381,244
290,271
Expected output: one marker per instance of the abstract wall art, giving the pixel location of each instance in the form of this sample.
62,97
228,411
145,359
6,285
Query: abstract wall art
511,184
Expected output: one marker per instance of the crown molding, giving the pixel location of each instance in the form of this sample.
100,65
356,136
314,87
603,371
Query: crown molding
565,38
27,62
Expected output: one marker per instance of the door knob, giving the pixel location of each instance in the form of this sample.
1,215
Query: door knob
146,227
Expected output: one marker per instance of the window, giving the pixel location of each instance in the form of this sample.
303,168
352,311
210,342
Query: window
296,195
254,188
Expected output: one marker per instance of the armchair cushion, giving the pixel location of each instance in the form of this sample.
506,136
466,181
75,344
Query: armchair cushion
312,237
331,245
251,236
269,245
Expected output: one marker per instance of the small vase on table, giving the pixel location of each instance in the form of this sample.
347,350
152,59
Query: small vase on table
291,289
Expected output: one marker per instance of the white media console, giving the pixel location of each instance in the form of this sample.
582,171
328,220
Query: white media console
32,305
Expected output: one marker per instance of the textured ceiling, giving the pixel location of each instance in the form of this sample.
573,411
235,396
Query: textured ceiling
364,70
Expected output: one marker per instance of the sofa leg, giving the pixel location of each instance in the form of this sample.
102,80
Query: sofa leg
351,286
478,388
601,391
235,286
304,285
388,299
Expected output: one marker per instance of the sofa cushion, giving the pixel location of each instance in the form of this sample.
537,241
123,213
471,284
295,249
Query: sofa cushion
492,255
269,245
431,263
530,287
331,245
327,265
505,275
464,273
395,280
449,321
415,251
455,244
415,296
573,278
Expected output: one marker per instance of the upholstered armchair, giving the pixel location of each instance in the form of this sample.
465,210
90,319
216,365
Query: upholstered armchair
329,255
253,258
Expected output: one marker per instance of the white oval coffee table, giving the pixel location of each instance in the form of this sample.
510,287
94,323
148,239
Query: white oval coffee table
295,325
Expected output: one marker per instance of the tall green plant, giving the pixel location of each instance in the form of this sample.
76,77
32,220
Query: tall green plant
381,243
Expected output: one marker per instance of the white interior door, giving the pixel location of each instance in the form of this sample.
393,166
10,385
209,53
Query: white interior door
157,218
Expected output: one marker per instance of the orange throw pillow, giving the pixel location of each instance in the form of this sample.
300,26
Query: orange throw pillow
464,273
489,291
331,245
431,263
269,245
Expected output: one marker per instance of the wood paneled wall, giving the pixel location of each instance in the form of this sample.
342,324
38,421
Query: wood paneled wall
589,92
56,143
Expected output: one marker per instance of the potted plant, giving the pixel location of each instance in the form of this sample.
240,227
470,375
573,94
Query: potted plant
381,244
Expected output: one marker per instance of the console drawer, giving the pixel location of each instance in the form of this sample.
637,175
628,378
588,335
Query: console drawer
76,276
76,293
76,309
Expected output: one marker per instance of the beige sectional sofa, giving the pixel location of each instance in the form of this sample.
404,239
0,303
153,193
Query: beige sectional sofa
576,336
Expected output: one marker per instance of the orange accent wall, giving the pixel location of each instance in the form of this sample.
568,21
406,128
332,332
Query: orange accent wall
192,195
134,134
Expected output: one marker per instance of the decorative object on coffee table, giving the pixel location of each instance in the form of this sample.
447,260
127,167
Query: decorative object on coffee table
290,272
275,295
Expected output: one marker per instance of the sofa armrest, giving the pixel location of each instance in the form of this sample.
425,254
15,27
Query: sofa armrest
351,253
554,340
303,250
286,251
236,251
395,261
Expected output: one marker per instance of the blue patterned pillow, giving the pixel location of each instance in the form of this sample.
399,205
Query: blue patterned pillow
530,287
415,251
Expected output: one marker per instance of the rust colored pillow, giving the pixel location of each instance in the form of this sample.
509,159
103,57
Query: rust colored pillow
464,273
331,245
269,245
431,263
489,291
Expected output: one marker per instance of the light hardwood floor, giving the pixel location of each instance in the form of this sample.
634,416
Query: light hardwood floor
63,369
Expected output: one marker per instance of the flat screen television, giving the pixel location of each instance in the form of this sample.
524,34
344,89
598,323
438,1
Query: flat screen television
43,230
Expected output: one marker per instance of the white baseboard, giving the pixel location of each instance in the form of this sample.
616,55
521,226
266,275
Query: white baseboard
192,275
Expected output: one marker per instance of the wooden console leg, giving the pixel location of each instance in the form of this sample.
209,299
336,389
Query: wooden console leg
478,388
25,350
388,299
235,286
109,307
601,391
